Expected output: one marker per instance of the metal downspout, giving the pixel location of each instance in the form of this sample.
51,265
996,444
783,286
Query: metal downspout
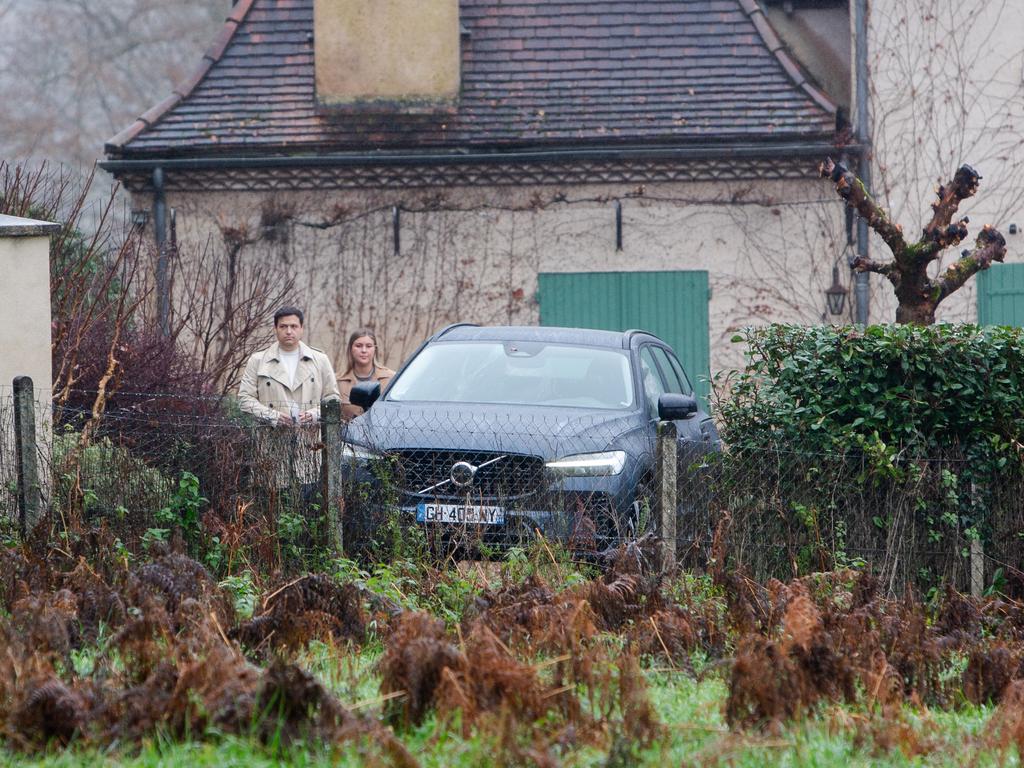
163,297
862,293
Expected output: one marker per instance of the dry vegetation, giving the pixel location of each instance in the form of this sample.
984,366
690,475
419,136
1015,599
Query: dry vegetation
97,654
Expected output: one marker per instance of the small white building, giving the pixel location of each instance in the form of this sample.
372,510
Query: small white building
25,308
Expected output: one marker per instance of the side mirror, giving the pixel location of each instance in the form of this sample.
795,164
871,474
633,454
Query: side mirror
364,394
674,407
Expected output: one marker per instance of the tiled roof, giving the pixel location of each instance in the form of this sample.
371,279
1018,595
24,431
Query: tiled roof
535,73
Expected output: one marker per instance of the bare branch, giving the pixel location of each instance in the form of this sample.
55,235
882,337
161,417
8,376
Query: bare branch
80,70
940,233
964,185
989,246
864,264
937,240
221,304
852,190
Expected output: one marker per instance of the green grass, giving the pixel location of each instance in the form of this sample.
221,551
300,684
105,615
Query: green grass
693,715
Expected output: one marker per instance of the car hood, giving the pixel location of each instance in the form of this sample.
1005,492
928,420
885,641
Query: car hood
537,431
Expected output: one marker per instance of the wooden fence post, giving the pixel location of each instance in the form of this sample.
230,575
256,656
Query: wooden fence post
30,504
668,489
330,431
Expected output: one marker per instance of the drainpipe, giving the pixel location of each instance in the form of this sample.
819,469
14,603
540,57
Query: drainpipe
861,291
163,297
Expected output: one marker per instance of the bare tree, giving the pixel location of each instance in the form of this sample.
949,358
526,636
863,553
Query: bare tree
946,86
105,334
946,89
75,72
92,278
919,294
221,304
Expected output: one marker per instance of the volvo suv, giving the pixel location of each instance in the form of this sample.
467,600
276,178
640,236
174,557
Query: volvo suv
490,434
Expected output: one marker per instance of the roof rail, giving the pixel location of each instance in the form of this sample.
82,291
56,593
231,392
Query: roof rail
447,328
628,335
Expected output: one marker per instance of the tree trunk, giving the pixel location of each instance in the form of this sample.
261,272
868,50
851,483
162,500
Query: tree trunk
915,314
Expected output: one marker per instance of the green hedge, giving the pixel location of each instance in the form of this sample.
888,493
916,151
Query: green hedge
899,442
917,391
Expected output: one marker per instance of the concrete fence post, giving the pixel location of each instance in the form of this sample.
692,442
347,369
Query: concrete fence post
668,490
334,502
977,551
977,561
30,504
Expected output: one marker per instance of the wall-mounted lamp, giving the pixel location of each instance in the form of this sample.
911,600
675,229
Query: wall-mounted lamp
835,294
139,217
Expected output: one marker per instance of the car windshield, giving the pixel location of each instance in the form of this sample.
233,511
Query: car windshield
517,373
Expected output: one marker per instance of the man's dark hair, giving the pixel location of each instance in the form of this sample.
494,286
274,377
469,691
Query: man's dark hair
285,311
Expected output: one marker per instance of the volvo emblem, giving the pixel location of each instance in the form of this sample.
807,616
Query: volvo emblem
462,474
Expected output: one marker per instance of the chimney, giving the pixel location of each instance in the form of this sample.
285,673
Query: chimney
396,54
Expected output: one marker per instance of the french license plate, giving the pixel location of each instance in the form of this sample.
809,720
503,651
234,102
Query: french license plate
459,513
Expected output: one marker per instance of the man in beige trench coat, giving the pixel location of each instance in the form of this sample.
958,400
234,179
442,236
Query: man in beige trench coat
283,386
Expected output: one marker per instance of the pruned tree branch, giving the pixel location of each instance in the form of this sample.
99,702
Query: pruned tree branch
864,264
989,246
964,185
937,240
852,190
918,294
941,232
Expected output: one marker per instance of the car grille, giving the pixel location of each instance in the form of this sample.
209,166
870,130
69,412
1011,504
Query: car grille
500,478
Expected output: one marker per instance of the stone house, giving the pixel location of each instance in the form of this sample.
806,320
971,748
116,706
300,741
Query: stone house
412,164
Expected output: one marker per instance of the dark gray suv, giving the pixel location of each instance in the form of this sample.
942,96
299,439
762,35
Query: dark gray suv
495,432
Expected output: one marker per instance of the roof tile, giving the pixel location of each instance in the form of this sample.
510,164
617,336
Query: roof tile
533,72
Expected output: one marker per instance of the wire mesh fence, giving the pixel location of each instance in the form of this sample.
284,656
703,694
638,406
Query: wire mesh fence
918,521
471,482
154,465
8,455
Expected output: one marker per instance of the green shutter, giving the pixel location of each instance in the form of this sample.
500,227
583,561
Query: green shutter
1001,295
671,305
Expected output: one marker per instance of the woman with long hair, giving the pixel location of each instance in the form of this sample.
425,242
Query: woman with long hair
362,366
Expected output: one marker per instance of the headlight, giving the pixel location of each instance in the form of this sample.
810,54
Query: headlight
356,452
588,464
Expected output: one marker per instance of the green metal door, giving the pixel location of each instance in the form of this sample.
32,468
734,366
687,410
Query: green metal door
671,305
1001,295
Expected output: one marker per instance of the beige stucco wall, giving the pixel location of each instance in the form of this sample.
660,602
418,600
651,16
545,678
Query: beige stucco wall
25,305
947,88
473,254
